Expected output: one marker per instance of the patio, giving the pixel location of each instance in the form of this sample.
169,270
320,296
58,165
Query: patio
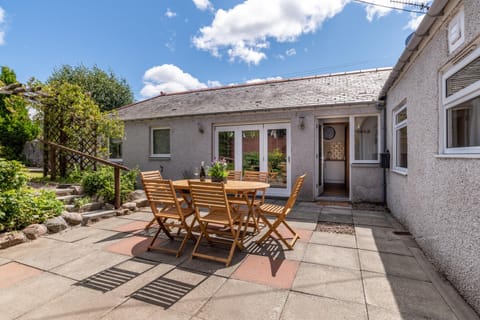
103,271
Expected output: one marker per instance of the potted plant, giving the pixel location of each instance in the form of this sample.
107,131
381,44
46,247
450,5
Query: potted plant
218,171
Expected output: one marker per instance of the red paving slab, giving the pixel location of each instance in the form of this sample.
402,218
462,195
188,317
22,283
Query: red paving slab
304,234
132,226
14,272
278,273
132,246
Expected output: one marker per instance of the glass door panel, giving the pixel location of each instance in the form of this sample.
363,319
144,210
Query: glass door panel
250,150
226,148
277,156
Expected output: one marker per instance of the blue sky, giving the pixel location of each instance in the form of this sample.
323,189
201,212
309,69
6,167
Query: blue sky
181,45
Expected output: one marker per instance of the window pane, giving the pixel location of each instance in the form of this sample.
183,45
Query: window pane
277,158
366,138
115,148
464,124
401,116
226,148
464,77
251,150
401,152
161,141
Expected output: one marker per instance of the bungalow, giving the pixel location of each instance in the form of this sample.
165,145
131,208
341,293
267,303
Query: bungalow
425,111
328,127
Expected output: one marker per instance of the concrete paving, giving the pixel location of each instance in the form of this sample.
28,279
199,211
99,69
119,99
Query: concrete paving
104,271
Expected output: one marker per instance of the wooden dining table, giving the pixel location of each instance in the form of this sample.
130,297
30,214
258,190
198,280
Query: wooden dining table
246,189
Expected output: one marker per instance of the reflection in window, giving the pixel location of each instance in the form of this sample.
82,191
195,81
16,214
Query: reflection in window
366,138
251,150
463,124
277,157
161,142
226,148
115,148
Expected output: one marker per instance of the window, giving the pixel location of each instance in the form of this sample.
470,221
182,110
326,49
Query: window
400,140
160,142
366,139
461,107
115,149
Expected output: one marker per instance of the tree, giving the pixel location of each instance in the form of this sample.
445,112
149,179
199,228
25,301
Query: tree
16,127
106,89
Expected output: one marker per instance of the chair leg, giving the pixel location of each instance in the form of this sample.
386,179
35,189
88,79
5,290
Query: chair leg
154,238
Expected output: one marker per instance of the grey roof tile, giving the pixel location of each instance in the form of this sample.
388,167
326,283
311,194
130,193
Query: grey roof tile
333,89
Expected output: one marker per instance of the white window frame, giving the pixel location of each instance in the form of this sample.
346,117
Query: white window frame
396,127
470,92
160,155
352,138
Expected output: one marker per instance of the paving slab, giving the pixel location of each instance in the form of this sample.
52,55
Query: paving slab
144,214
375,232
370,213
109,223
377,313
138,310
335,217
303,233
334,239
267,270
332,256
304,225
331,282
305,307
213,267
52,254
383,245
98,238
73,235
132,226
4,261
371,221
195,299
405,296
238,299
329,210
303,214
79,303
128,288
31,294
89,264
136,265
391,264
14,272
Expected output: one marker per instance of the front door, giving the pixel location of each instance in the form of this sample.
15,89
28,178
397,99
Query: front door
263,147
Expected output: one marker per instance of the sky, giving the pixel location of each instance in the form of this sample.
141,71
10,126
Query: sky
170,46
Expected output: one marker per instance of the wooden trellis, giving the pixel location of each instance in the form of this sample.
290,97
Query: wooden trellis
59,162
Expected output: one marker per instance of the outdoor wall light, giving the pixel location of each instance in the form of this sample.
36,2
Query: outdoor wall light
301,122
200,127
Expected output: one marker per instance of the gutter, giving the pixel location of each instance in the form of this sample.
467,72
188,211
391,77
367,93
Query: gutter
436,11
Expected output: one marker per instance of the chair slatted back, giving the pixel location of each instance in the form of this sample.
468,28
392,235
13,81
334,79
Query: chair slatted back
151,175
294,194
234,175
259,176
208,195
160,192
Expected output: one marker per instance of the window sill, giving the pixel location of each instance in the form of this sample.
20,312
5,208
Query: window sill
159,157
400,172
458,156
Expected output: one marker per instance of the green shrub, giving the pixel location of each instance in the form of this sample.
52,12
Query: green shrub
19,208
102,183
12,176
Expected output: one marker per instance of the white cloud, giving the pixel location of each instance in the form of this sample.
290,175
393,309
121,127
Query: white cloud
213,83
2,15
2,37
168,78
170,14
257,80
244,33
414,21
291,52
203,4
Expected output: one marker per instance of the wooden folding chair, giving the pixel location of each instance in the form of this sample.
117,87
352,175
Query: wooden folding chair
234,175
280,213
161,194
150,175
220,224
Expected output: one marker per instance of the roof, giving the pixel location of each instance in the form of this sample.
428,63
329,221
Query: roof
418,37
333,89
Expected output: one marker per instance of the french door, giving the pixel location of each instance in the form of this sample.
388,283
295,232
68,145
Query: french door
264,147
